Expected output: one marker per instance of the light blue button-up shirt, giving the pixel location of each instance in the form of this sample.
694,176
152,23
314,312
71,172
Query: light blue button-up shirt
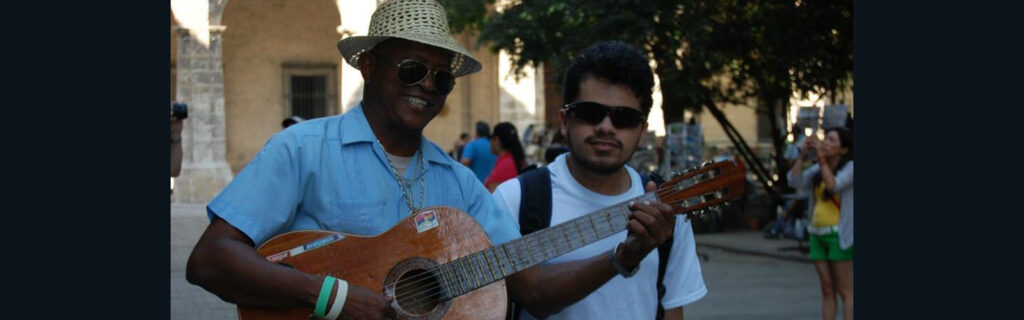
331,174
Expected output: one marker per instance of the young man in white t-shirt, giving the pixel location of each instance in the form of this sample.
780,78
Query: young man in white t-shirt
608,91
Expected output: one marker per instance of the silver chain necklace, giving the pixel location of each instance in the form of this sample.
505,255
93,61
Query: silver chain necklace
403,184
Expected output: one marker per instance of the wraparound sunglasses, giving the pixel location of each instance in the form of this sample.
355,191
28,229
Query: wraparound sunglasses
594,113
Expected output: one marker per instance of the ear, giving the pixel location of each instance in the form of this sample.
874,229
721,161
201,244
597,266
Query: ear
643,133
366,62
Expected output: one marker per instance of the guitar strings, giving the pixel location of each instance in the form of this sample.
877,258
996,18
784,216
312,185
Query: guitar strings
426,296
423,275
476,273
420,298
661,193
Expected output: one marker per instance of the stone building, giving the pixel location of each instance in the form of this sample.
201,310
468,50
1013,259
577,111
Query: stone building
244,66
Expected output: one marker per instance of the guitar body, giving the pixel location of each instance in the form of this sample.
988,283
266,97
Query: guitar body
415,244
440,252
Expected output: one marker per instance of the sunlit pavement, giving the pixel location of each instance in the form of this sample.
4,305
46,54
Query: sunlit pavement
188,301
748,286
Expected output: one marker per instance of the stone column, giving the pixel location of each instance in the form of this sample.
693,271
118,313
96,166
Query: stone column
200,84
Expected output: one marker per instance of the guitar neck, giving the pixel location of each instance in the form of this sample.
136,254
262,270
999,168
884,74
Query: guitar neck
484,267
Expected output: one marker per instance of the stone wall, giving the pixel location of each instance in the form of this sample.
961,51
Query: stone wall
262,37
235,86
200,83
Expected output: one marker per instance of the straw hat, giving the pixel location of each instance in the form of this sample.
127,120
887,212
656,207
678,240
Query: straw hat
423,21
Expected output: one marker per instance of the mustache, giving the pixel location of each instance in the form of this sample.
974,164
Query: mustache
614,141
416,90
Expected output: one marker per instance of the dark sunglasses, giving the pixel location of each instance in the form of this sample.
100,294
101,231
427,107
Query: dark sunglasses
412,72
594,113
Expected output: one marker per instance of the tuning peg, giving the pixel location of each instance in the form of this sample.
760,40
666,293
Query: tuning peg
675,174
726,203
707,163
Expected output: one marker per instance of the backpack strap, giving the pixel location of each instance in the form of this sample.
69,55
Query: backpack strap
535,205
663,249
534,213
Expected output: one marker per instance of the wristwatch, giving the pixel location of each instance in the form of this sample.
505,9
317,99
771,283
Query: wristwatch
618,267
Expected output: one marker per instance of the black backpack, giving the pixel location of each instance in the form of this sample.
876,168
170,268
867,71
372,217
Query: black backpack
535,214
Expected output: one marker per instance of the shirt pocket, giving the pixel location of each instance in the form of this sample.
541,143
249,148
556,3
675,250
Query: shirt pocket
359,217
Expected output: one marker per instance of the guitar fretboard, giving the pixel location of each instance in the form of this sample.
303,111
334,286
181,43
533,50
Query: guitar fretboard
484,267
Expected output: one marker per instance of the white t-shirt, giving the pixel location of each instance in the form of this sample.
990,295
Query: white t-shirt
619,298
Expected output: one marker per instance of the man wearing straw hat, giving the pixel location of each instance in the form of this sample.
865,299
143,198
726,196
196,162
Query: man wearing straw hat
358,173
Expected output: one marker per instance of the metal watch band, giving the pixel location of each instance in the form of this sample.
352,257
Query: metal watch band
618,267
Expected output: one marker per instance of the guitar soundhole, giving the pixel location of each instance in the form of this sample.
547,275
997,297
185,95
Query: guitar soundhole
418,292
417,289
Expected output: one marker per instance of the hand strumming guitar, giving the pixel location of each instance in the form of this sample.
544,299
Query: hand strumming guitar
361,303
650,225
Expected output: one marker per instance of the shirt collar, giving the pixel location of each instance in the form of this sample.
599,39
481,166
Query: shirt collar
356,128
432,153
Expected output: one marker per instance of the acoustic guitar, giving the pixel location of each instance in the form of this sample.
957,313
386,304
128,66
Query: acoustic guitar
439,264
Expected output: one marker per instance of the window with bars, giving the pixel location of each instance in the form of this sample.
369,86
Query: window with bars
309,91
309,99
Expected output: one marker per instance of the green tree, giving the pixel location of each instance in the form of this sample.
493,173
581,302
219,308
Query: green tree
706,52
786,47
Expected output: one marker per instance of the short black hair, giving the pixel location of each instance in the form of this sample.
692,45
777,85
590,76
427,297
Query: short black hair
615,62
482,129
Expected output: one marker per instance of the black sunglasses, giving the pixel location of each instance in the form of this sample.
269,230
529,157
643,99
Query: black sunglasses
594,113
412,72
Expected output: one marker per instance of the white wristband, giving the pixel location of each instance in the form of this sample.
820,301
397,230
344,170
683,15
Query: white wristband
339,300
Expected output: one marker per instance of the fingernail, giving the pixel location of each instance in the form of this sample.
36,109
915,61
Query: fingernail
647,202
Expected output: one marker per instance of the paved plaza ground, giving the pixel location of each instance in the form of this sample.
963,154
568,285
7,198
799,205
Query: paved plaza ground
747,276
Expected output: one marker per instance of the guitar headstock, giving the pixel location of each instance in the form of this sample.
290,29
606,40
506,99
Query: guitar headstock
698,190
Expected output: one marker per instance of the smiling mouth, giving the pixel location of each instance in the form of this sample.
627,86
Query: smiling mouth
417,103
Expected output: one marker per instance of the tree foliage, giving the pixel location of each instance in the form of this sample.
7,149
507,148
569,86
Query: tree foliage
759,45
706,52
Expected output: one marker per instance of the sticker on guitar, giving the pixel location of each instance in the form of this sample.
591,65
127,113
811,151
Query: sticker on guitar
306,247
426,220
